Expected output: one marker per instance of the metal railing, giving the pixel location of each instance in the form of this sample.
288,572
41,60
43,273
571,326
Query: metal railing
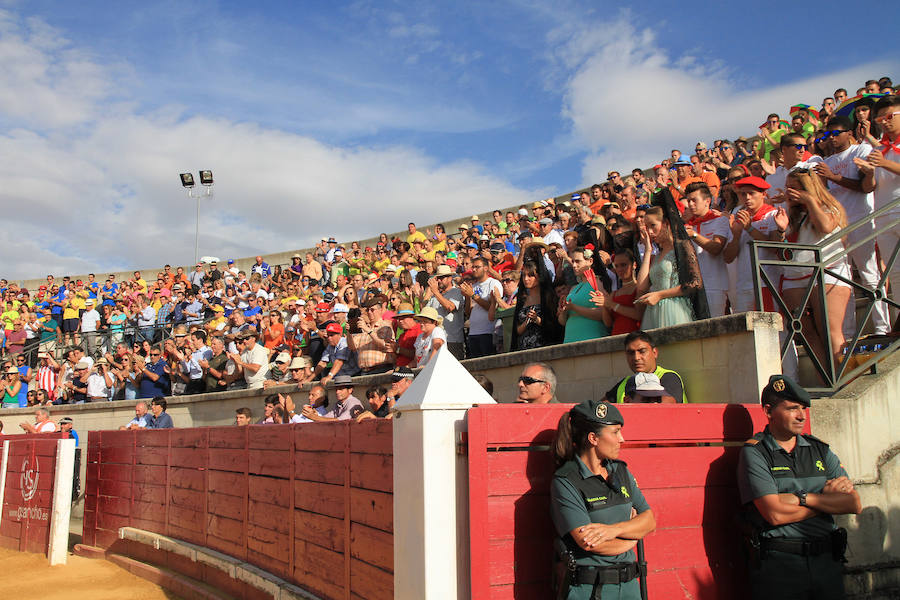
834,375
97,343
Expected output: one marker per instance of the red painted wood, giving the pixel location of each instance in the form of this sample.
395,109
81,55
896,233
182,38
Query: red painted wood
375,509
323,498
322,437
372,471
690,486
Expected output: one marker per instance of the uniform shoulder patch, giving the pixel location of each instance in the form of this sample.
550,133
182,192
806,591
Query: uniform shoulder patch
751,442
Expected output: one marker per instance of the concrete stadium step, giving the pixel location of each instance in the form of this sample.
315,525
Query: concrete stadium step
809,376
192,571
180,585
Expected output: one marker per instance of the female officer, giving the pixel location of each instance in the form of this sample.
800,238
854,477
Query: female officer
596,506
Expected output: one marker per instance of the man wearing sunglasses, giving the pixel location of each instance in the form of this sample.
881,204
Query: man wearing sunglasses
853,189
537,384
793,149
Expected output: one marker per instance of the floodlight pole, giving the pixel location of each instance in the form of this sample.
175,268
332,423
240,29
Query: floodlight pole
205,194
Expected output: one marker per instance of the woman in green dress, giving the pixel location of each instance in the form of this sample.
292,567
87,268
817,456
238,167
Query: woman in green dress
581,318
663,287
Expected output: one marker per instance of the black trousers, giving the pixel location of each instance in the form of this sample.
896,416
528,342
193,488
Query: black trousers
793,577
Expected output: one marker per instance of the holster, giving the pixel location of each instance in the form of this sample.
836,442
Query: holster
563,572
839,544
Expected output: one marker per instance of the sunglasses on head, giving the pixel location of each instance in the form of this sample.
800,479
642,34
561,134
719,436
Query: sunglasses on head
645,207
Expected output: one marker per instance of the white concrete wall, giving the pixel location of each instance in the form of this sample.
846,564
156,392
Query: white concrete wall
862,425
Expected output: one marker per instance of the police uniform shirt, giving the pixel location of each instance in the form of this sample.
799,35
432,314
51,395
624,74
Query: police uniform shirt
805,469
618,494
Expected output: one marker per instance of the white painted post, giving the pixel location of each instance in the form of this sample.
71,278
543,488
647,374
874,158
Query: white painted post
4,458
431,495
62,502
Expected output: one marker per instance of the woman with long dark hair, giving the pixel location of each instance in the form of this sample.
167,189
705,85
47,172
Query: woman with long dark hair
669,283
535,323
596,506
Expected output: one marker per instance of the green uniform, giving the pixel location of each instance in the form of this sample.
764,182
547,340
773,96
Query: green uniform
766,468
578,497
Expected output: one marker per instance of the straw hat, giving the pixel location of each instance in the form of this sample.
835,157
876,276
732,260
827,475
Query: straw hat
430,313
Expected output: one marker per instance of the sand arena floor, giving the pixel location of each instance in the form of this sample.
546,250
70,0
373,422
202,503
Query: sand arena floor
29,577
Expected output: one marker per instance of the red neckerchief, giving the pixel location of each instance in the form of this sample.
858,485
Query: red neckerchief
887,145
709,216
762,212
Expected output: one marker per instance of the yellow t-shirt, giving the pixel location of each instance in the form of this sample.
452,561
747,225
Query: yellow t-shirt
415,237
75,304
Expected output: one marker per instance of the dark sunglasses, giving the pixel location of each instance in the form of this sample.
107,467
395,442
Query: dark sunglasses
828,134
529,380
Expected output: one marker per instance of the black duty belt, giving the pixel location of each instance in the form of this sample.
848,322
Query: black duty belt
605,575
799,546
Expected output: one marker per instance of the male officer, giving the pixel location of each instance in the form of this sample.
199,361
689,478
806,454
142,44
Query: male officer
790,485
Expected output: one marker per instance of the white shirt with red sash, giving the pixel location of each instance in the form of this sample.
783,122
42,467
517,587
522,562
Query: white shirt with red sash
712,268
764,222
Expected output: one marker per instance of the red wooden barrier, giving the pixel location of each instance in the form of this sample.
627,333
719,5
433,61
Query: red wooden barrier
312,503
683,458
28,495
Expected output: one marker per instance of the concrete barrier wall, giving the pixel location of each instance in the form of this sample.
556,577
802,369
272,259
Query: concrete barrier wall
723,360
862,425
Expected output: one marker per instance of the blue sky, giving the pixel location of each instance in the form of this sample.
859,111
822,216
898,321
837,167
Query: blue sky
403,111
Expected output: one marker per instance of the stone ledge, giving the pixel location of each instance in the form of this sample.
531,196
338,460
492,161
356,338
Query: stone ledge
236,569
696,330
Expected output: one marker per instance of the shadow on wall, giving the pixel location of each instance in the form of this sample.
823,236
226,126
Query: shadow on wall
721,505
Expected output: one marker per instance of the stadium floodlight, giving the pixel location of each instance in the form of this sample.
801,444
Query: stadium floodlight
187,180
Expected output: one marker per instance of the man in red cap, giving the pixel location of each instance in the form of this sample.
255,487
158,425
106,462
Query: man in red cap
754,220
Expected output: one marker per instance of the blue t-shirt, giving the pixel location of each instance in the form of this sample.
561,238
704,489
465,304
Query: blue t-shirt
74,435
111,290
160,387
341,352
59,297
252,311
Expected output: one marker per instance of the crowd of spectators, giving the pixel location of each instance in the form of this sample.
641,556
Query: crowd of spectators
651,249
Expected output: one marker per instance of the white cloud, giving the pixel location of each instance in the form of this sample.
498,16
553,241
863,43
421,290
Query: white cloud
91,184
630,102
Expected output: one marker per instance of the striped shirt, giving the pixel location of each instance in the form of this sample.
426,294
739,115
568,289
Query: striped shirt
47,380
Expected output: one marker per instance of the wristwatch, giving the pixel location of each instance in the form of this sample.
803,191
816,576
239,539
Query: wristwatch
801,496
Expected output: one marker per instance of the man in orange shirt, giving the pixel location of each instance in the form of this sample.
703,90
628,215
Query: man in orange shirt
685,176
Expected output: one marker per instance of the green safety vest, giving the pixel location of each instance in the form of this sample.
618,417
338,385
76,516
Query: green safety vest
659,372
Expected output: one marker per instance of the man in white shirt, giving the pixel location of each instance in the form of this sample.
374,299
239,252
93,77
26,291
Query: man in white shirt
885,161
853,189
793,146
252,362
710,231
481,328
191,365
549,233
89,320
754,220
